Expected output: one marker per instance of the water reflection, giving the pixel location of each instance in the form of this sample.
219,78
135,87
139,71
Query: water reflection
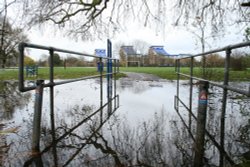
237,118
144,131
11,99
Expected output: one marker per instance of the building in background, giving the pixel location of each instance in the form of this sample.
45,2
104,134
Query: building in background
157,57
129,57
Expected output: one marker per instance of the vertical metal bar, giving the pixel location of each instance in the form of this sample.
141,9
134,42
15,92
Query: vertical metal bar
21,68
177,69
118,69
38,161
27,71
109,76
191,93
224,105
51,52
115,68
101,90
201,124
248,89
204,67
37,115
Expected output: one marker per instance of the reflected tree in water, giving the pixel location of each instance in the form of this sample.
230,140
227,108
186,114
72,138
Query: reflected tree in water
236,133
11,98
114,142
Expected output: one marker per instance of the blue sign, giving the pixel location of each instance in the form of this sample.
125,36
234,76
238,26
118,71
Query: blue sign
100,52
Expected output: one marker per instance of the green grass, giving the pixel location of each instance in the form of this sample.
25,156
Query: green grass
68,73
59,73
162,72
216,74
8,74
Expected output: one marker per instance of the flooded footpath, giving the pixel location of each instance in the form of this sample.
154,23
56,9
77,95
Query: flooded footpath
144,131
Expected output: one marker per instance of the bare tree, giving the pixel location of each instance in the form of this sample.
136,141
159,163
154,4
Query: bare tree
9,36
87,18
216,12
141,46
97,17
247,34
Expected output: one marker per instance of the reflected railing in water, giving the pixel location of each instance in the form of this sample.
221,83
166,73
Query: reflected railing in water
70,141
10,99
219,140
152,140
72,145
112,68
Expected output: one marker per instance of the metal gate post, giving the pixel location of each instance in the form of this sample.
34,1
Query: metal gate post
191,93
224,106
101,89
201,123
52,115
177,70
115,72
109,77
37,115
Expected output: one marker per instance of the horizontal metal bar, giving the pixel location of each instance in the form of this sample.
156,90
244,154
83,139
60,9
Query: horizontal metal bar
34,46
228,87
22,88
239,45
184,105
75,80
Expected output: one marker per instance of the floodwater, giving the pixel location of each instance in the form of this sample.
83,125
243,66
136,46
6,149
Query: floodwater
145,129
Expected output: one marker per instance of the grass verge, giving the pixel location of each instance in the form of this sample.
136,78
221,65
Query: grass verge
59,73
216,74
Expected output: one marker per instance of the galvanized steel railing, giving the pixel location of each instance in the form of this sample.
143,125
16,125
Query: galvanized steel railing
199,151
112,70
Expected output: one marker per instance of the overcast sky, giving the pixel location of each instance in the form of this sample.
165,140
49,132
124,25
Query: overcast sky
175,40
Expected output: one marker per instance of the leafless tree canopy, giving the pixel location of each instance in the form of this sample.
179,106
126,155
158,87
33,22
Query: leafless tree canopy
92,17
9,35
214,12
89,17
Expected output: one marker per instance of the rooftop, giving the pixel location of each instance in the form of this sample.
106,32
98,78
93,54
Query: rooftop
129,50
160,50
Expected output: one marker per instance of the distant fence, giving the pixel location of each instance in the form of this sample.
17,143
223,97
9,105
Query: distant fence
201,130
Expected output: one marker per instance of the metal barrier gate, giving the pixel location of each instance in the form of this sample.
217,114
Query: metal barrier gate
112,70
202,104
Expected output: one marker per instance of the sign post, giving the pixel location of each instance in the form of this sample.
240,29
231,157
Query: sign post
109,76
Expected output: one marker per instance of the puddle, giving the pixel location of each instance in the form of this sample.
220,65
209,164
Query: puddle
146,111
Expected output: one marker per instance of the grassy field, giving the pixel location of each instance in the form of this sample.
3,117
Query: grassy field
216,74
43,73
163,72
59,73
